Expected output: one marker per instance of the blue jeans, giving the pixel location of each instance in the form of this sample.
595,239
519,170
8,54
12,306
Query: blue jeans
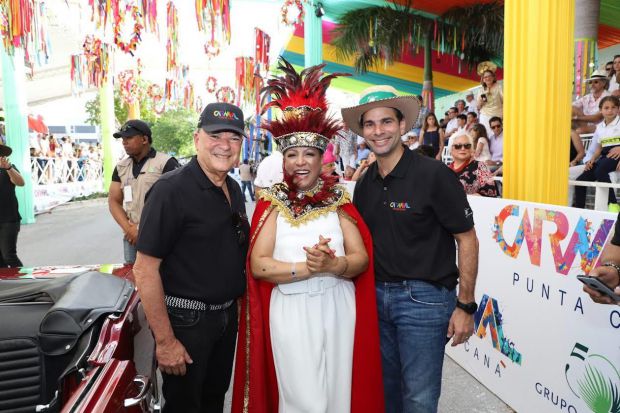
413,324
247,185
130,252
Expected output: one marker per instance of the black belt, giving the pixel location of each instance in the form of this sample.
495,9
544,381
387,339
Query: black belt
188,304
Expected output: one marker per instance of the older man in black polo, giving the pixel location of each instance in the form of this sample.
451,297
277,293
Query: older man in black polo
192,245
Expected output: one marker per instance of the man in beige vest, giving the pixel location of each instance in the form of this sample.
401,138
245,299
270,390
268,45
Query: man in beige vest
132,178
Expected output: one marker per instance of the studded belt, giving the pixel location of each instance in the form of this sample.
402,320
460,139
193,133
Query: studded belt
188,304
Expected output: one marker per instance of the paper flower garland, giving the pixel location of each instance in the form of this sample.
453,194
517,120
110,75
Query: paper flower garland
211,84
119,18
285,12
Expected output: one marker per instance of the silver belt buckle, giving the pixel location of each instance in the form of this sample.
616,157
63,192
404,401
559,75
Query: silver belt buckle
315,287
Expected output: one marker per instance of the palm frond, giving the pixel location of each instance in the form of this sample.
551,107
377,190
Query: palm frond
384,33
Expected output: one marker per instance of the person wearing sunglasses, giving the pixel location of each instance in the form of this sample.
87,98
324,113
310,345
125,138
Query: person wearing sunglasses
189,269
586,113
474,175
132,178
309,338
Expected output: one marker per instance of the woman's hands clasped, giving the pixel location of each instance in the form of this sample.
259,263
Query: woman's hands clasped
320,258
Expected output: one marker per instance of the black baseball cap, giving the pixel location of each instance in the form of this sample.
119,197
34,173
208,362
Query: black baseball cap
133,127
218,117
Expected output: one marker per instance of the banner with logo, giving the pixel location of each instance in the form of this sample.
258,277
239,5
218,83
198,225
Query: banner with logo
540,343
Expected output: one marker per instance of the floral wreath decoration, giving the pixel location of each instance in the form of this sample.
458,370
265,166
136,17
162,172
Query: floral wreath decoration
211,84
119,18
225,94
284,12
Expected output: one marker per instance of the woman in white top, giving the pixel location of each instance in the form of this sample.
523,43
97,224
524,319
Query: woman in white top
308,335
481,143
490,100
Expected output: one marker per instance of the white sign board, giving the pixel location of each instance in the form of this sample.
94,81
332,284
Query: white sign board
540,343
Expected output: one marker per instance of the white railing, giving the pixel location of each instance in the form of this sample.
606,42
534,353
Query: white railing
47,171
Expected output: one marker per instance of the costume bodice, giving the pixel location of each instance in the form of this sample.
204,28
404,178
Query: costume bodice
290,239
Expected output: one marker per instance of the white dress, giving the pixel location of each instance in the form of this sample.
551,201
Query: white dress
312,324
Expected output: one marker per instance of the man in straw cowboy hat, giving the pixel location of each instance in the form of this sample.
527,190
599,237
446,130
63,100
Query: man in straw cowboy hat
415,208
586,113
9,213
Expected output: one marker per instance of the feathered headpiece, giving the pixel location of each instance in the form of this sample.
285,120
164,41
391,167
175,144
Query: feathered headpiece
301,97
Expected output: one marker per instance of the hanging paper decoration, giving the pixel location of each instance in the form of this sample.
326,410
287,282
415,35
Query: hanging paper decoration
225,94
289,15
157,96
128,83
198,104
214,14
211,84
97,56
16,23
188,95
172,45
79,73
119,19
39,47
245,79
261,56
149,11
100,11
212,49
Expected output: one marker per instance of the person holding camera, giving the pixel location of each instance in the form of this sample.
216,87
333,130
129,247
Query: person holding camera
491,99
9,211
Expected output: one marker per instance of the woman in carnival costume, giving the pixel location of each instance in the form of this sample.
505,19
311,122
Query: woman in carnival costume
308,332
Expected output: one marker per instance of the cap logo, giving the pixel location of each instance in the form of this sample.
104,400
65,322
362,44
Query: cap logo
375,96
225,115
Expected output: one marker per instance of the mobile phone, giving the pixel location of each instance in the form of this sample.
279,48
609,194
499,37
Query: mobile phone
598,285
483,97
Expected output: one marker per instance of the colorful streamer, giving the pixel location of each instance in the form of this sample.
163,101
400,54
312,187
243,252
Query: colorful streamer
214,15
586,59
149,13
261,56
100,10
16,23
172,44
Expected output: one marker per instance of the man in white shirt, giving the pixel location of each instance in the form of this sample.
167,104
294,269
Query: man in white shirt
471,102
496,145
586,113
452,125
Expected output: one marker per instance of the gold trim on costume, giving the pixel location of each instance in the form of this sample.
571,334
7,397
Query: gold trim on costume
294,212
346,216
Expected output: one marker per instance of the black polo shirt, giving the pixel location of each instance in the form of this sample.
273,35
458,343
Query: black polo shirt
188,223
136,168
412,214
9,211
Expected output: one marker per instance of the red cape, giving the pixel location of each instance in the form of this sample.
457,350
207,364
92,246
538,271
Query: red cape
255,388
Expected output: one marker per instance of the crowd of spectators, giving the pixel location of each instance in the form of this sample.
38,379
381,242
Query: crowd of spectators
60,160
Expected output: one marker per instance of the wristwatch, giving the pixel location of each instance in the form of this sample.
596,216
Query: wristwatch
469,308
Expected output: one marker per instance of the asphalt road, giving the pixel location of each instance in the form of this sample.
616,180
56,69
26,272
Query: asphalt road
84,233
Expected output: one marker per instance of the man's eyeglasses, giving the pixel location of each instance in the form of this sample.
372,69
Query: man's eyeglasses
126,127
496,126
237,221
462,146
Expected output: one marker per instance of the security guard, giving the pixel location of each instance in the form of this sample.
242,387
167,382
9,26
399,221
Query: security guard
132,178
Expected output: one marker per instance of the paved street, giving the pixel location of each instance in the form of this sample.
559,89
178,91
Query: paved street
85,233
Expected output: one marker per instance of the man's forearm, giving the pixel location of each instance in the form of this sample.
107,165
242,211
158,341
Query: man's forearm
120,216
468,264
151,293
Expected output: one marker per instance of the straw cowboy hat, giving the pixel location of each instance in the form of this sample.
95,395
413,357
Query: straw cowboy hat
5,150
597,75
378,97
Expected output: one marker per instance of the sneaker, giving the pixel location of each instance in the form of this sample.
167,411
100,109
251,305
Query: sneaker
615,208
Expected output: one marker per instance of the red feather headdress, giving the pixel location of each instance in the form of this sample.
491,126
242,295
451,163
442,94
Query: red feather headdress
301,98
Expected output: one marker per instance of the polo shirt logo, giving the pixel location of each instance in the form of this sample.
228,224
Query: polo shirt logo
225,115
399,206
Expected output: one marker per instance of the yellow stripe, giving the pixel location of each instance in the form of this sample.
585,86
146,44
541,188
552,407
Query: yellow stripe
399,70
611,140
